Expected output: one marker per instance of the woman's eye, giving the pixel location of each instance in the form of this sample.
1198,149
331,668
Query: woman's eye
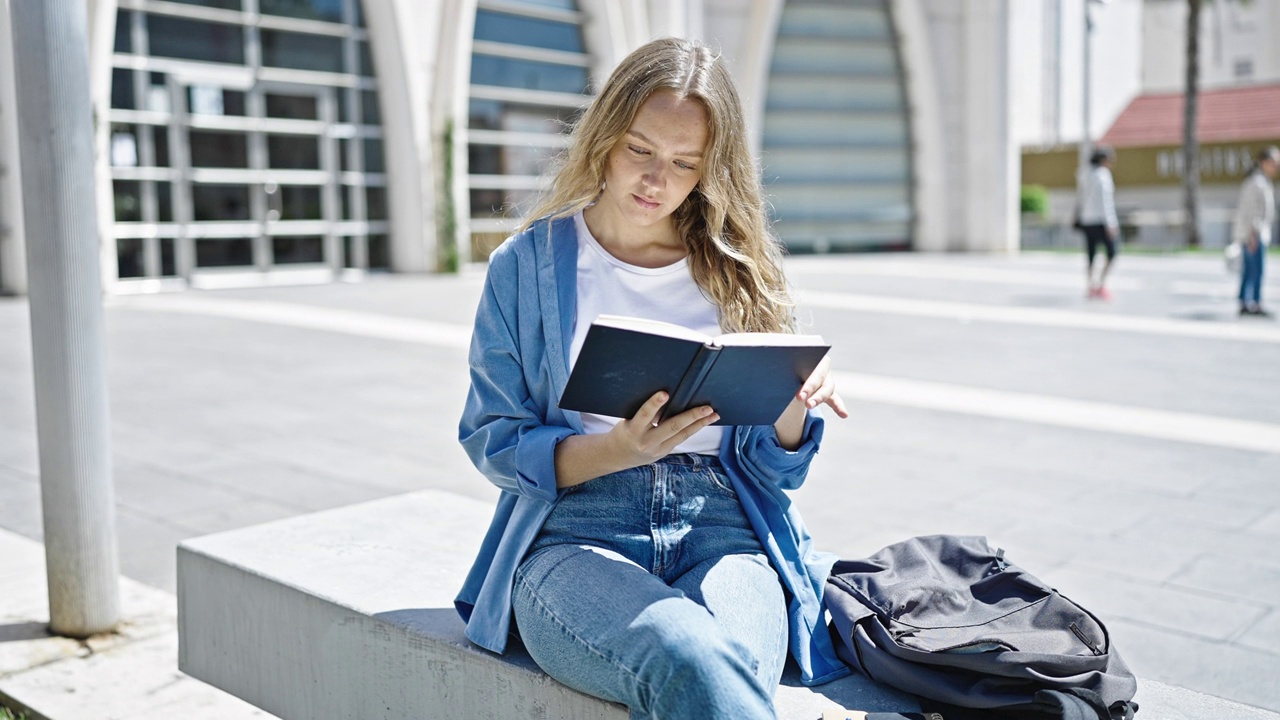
638,151
684,165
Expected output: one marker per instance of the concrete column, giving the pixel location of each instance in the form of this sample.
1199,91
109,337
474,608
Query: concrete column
55,120
13,256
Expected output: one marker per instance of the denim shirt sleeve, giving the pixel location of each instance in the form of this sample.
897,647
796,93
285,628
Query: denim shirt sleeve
763,457
503,428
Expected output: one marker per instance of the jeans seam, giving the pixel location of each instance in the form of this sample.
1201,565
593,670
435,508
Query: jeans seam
537,599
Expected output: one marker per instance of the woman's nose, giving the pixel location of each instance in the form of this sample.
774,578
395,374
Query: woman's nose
655,175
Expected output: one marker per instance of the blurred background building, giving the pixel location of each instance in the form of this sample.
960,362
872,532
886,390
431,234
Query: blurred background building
247,142
1136,85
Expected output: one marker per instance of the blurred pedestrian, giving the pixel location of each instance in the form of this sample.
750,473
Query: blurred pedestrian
1097,219
1255,214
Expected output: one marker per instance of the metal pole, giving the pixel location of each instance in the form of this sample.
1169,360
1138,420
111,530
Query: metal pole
55,123
1086,136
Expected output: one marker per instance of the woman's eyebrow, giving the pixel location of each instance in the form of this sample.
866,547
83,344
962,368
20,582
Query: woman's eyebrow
642,138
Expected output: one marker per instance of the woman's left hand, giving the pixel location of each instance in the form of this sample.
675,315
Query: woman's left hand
820,388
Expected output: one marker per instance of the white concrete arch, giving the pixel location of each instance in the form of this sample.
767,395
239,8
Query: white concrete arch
928,168
403,47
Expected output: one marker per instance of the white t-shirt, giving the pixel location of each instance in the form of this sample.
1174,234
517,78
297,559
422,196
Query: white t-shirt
608,286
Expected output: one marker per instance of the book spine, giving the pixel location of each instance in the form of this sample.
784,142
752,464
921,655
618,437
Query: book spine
689,384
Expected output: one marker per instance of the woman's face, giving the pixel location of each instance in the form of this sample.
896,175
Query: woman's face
657,162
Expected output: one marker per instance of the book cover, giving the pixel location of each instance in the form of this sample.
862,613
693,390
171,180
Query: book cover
748,378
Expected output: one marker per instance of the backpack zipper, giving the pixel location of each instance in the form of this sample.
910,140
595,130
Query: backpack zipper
1087,642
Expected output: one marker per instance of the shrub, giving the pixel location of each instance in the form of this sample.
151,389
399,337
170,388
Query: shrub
1034,200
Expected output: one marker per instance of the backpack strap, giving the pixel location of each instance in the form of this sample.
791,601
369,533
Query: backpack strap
1083,704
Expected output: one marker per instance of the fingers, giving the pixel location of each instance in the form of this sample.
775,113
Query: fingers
820,388
684,426
648,412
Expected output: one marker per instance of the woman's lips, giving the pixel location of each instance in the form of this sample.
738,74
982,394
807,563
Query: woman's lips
646,204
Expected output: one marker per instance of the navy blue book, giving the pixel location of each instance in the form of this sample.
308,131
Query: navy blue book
748,378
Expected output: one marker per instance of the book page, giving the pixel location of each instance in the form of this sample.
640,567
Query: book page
651,327
768,340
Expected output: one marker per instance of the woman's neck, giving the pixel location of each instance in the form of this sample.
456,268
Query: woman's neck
652,246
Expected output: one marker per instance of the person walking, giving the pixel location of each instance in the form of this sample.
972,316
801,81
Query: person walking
1097,218
1255,216
655,564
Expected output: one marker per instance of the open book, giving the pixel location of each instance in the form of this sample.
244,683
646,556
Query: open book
748,378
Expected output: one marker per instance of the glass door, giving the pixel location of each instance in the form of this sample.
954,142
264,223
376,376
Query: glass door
258,181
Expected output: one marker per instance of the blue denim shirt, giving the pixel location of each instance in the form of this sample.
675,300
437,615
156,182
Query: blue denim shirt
519,366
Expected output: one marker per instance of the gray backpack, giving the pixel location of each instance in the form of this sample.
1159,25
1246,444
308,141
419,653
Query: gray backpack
946,618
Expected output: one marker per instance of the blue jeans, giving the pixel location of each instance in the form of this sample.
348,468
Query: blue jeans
1251,275
648,587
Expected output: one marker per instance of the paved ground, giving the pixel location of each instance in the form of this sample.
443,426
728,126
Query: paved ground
978,387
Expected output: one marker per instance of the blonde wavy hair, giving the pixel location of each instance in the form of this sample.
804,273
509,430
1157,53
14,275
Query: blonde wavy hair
733,257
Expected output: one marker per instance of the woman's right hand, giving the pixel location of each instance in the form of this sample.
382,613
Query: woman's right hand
640,440
631,443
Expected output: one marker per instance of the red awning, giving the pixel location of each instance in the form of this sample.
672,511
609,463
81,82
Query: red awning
1247,113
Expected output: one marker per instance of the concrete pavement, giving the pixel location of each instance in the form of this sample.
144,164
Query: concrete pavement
974,382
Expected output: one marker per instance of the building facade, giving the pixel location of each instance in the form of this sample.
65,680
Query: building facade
250,142
1135,85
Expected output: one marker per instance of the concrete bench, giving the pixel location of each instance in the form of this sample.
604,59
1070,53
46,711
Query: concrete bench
348,614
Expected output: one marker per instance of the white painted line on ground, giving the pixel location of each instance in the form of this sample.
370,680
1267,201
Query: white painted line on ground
926,395
969,312
384,327
1062,412
958,273
1227,288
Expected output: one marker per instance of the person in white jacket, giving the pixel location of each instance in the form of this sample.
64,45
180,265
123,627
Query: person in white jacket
1098,219
1255,216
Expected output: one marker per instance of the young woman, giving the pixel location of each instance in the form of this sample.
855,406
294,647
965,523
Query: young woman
656,565
1098,219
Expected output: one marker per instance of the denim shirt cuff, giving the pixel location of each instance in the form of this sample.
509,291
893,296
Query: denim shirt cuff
536,460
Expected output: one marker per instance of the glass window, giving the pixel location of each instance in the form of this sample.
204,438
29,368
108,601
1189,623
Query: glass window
122,89
224,252
373,156
224,4
379,252
195,39
218,149
345,194
487,203
128,200
129,258
293,152
293,107
300,202
508,159
348,252
160,140
370,112
527,74
497,203
559,4
124,31
124,145
220,202
212,100
297,249
164,202
330,10
365,59
344,161
168,267
375,199
344,106
535,32
301,52
498,115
